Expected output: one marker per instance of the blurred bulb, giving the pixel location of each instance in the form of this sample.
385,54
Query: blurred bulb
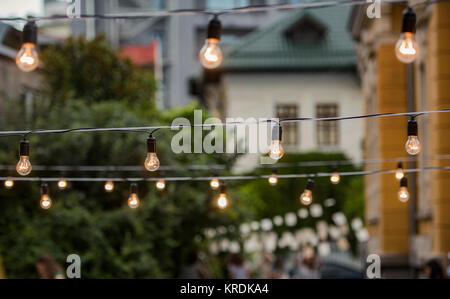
412,145
211,54
335,178
151,162
273,180
222,201
62,184
46,202
406,48
214,183
276,150
133,201
109,186
27,58
403,194
160,185
306,197
9,183
24,166
399,174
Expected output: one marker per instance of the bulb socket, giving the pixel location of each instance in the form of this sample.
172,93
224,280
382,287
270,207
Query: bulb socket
409,21
214,29
133,188
400,165
412,127
29,33
310,184
404,182
151,144
44,189
274,171
277,133
24,148
223,189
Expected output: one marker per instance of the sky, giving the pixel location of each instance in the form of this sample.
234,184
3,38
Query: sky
21,8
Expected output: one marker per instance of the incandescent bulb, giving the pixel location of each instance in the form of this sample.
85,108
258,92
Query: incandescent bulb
222,201
160,185
399,174
306,197
403,194
273,180
133,201
151,162
276,150
46,202
24,166
412,145
211,55
9,183
109,186
27,58
214,183
406,48
335,178
62,184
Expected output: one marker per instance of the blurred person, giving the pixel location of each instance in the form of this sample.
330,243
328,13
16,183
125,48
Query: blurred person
433,270
265,268
193,268
237,267
309,266
278,269
48,268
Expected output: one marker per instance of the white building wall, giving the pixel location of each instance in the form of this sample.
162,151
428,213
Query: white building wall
257,94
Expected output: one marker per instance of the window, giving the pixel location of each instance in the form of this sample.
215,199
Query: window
290,129
327,131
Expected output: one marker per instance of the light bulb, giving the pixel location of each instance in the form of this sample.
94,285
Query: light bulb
109,186
160,185
24,166
273,180
214,183
9,183
403,194
335,178
211,55
46,202
62,184
412,145
222,201
306,197
151,162
276,150
406,48
399,174
133,201
27,58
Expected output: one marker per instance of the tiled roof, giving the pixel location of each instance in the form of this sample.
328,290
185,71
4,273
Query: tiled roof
270,48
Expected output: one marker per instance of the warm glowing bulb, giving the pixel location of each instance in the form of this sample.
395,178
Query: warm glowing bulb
109,186
160,185
412,145
24,166
151,162
46,202
403,194
133,201
27,58
273,180
406,48
306,197
211,54
335,178
214,183
399,174
276,150
222,201
9,183
62,184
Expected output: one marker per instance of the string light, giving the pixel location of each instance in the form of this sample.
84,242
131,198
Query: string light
133,200
306,197
24,165
399,174
9,183
214,183
46,202
210,54
109,186
276,150
403,194
62,184
406,48
412,145
152,161
161,184
273,180
27,58
222,200
335,178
